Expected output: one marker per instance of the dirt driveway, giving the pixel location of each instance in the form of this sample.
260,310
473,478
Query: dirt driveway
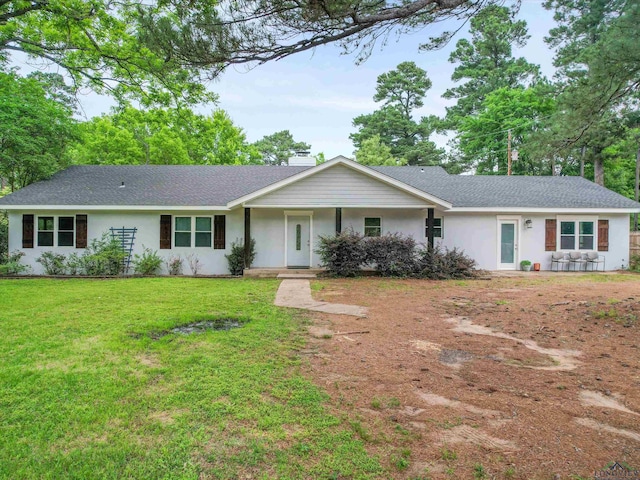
532,378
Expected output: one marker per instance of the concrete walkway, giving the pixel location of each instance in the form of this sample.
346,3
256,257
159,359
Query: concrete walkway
297,294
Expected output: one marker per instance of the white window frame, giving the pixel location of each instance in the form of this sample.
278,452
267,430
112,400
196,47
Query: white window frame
56,224
435,228
576,220
364,227
192,231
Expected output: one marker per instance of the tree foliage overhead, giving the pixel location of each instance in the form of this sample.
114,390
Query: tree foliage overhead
100,44
486,62
277,148
162,137
36,125
256,31
402,91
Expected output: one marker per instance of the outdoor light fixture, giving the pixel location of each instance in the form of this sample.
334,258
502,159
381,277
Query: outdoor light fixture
528,223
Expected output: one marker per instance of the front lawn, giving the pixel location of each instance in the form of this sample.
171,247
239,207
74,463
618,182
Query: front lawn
89,388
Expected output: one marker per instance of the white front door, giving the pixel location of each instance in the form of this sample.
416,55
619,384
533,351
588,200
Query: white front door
298,241
508,247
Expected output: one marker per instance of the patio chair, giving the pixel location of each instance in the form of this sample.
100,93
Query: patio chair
595,260
577,259
559,259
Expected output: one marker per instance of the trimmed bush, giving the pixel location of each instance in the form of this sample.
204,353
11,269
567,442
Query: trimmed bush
148,263
436,264
13,266
343,254
392,255
103,256
53,263
236,258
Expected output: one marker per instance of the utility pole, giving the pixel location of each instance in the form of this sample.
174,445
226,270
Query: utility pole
509,153
583,150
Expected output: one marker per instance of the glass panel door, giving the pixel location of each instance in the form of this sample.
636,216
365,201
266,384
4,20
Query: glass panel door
507,252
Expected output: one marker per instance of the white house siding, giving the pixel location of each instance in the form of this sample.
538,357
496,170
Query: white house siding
338,186
148,235
267,228
477,235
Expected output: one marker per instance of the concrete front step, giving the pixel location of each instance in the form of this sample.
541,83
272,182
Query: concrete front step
282,272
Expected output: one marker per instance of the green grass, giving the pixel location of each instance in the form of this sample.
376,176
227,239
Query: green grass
87,390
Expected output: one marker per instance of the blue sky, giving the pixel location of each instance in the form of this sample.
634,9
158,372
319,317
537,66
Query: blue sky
316,95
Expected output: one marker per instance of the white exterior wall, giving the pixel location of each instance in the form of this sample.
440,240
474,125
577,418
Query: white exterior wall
476,234
148,235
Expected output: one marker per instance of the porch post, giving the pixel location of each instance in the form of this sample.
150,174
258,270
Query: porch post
247,236
338,221
430,231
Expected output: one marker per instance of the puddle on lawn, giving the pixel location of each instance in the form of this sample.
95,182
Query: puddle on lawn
215,324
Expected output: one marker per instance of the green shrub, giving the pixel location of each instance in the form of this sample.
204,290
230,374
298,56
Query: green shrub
103,256
634,263
236,259
392,255
53,263
4,237
74,264
13,266
438,264
343,254
148,263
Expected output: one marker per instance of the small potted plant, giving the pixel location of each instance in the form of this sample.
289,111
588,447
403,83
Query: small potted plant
525,265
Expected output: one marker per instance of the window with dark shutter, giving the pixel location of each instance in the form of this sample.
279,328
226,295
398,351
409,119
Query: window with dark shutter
603,235
219,232
27,231
81,231
550,235
165,232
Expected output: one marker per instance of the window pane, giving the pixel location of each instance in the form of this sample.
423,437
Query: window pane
507,243
371,231
437,222
203,224
183,239
298,237
586,242
65,223
65,239
45,239
183,224
203,239
45,223
567,228
372,222
586,228
437,232
567,243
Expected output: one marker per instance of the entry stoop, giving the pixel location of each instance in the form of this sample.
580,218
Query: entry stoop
301,273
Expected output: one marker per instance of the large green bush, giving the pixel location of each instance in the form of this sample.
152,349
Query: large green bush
104,256
53,263
147,263
236,260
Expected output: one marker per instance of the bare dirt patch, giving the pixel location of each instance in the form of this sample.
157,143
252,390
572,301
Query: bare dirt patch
511,378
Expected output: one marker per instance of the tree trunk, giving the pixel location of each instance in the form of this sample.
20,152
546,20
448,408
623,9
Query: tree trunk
598,168
583,152
635,215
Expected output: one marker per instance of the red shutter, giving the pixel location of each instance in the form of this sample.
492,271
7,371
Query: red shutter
603,235
81,231
219,232
27,231
550,235
165,232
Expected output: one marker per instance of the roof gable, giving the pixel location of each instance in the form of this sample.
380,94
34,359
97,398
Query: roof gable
384,188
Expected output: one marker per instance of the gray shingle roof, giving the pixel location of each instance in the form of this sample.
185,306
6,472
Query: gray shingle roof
217,185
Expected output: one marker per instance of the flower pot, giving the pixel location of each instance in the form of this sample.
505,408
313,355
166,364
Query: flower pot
536,267
526,268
